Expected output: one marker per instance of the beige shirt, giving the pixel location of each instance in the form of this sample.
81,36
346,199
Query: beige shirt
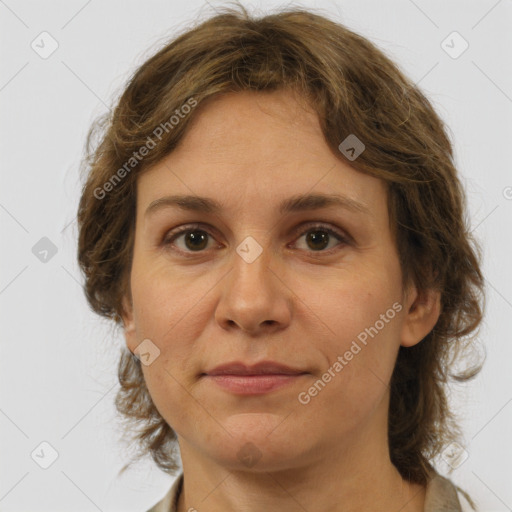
441,496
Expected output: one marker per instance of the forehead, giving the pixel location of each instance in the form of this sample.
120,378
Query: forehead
249,121
251,149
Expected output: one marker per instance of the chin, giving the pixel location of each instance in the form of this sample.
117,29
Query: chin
259,450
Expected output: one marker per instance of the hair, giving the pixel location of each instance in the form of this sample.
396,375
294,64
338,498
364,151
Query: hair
355,89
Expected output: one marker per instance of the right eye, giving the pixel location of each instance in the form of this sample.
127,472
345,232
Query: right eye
193,239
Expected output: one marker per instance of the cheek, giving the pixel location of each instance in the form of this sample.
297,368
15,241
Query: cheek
346,305
355,381
360,319
171,311
165,300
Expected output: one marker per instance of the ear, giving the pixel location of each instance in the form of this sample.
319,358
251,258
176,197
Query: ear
130,332
421,315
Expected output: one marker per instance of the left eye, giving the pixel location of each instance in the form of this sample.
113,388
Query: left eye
195,239
320,236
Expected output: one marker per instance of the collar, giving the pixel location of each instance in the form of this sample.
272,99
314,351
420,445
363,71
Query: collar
440,495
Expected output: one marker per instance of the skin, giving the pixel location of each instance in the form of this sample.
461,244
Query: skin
294,304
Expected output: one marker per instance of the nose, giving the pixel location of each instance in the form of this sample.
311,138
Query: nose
254,297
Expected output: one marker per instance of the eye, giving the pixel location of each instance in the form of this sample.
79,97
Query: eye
194,239
319,236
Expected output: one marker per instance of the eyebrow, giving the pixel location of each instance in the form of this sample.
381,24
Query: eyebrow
297,203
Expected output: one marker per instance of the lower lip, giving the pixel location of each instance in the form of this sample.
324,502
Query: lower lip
253,384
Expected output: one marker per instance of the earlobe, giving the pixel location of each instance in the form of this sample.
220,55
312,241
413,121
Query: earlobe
421,316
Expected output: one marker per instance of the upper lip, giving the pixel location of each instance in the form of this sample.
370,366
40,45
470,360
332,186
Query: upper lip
262,368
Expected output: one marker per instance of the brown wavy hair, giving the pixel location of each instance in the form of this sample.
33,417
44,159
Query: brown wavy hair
355,89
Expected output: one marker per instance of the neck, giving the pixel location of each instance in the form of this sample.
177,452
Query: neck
334,482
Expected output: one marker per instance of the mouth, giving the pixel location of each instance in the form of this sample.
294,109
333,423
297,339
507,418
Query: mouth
242,379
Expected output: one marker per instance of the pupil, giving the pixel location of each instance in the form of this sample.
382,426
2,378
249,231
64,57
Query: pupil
315,239
192,236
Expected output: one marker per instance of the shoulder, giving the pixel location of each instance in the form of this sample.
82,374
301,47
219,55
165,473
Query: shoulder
442,495
169,502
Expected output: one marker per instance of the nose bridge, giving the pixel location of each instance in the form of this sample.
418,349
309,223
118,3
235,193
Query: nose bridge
251,277
252,295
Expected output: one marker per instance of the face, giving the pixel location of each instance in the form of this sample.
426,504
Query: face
306,286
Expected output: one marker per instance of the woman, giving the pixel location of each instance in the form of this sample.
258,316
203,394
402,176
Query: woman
273,217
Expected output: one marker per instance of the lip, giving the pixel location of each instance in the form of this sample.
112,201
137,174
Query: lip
259,378
261,368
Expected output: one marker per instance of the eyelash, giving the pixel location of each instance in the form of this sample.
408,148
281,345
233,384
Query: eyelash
174,234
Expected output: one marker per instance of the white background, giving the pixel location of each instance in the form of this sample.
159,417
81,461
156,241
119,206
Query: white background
59,360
